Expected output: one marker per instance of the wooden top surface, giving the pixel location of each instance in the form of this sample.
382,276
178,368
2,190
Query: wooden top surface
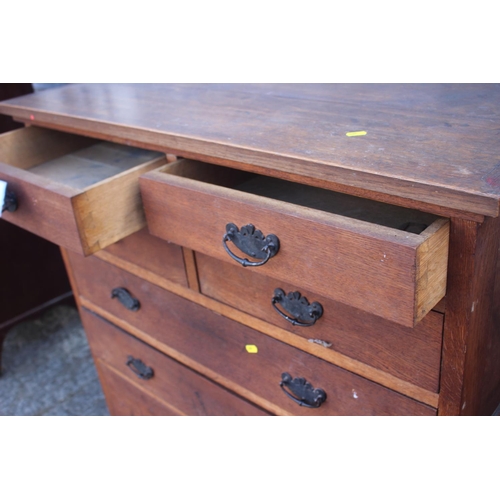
426,144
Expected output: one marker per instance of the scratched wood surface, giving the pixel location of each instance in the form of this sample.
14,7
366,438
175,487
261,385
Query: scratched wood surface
434,145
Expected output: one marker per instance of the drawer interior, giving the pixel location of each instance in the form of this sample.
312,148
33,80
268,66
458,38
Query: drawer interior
74,161
382,214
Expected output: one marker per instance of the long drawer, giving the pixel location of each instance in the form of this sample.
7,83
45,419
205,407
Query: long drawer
411,354
385,260
159,383
238,357
77,192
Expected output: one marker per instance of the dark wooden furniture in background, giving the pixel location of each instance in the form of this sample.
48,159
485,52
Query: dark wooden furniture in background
396,237
32,271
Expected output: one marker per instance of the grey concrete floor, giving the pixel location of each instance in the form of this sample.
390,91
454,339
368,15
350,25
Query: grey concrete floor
48,368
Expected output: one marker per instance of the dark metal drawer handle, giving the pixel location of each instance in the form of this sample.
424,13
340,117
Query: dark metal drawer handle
139,368
10,202
302,313
124,296
304,394
252,242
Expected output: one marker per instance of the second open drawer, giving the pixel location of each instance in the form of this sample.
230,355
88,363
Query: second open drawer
385,260
77,192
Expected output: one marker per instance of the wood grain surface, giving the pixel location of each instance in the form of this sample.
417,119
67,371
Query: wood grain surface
84,219
362,264
204,340
412,354
151,253
126,399
380,376
256,377
176,385
470,384
430,144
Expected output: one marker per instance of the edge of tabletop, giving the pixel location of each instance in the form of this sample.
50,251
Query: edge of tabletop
442,200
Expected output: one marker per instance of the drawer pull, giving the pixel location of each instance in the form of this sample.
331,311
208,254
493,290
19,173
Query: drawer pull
302,313
139,368
304,394
124,296
10,202
252,242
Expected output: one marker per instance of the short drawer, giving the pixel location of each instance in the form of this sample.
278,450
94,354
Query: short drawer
411,354
161,384
77,192
358,252
224,349
150,253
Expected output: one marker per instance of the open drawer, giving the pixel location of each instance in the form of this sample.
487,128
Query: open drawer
386,260
77,192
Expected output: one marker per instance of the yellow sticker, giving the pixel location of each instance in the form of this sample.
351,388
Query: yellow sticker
252,349
355,134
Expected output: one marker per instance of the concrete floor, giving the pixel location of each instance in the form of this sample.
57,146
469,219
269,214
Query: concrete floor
48,368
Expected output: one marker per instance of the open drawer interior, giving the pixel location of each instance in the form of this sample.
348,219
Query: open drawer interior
78,192
345,205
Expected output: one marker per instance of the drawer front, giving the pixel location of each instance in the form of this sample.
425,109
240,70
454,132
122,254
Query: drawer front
173,387
382,270
411,354
79,193
219,345
126,399
153,254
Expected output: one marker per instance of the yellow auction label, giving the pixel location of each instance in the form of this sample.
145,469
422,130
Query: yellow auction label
355,134
252,349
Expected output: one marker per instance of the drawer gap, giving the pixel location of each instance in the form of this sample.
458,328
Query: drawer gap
375,212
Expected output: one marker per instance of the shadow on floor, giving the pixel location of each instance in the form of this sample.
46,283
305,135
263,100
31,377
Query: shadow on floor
48,368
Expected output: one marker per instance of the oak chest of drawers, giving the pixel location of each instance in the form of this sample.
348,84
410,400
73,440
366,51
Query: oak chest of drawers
273,249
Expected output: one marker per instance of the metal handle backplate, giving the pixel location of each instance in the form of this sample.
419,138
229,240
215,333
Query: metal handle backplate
301,312
252,242
302,392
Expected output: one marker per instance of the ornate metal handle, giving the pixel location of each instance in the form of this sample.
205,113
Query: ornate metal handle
125,297
252,242
10,202
304,394
139,368
302,313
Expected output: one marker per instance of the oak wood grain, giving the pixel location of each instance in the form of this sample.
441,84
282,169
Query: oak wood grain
215,342
191,270
470,383
30,146
175,384
411,354
379,376
112,209
432,144
359,263
50,205
257,378
126,399
150,253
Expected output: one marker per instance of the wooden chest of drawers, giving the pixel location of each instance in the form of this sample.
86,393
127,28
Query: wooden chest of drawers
291,269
